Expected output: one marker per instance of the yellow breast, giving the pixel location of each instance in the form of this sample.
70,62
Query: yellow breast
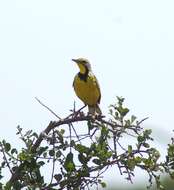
88,91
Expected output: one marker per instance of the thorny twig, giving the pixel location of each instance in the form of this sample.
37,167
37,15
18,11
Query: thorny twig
47,108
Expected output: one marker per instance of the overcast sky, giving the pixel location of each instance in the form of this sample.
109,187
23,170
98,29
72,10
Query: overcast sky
130,45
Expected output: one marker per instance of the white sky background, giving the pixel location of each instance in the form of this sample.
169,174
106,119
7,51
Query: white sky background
130,45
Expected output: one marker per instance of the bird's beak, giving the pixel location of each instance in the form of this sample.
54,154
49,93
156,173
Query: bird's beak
75,60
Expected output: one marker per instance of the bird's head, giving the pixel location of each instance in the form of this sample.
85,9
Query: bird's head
83,64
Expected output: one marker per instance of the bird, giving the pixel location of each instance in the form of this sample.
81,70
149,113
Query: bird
86,86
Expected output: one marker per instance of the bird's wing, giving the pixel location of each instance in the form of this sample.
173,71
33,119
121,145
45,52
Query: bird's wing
74,80
98,86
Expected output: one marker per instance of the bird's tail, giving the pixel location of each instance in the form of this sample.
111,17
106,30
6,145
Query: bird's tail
98,110
94,109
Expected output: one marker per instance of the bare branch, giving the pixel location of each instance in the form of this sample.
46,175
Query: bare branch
47,108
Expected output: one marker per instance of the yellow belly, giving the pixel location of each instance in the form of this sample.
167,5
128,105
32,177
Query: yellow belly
88,91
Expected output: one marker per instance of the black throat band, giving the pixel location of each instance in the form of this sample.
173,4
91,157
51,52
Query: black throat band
84,76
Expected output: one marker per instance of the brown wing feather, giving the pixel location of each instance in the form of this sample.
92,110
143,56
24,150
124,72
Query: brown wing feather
98,87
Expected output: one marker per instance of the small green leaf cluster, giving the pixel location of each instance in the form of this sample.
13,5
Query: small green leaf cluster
118,111
169,163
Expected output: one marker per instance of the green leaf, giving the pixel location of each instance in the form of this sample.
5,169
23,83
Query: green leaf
7,147
51,152
82,159
140,139
133,118
103,184
35,135
45,154
146,145
110,111
3,164
147,132
72,143
58,154
42,150
96,161
69,163
81,148
14,168
131,164
85,172
138,159
171,150
127,123
14,151
120,100
129,149
62,131
41,163
122,111
172,175
125,111
58,177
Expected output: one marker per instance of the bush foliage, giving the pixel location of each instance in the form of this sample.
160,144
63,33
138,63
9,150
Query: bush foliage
78,161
